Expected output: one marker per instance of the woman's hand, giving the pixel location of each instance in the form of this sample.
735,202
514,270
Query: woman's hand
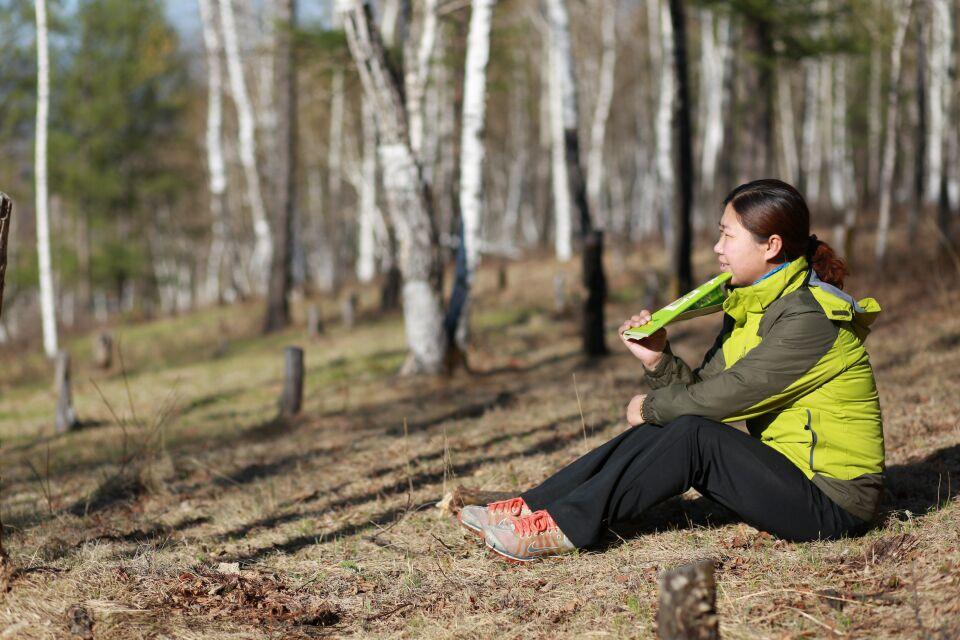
650,349
634,413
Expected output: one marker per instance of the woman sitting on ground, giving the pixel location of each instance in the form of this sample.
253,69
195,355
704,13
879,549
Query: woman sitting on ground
789,360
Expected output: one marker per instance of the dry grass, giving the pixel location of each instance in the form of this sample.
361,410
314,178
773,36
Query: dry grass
330,520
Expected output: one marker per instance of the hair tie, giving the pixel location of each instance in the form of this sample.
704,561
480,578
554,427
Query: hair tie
812,244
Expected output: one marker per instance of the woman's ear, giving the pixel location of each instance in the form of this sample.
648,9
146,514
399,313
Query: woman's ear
774,246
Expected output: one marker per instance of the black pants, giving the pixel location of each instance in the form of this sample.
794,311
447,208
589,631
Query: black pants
616,482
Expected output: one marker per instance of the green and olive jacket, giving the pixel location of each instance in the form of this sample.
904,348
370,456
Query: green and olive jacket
790,361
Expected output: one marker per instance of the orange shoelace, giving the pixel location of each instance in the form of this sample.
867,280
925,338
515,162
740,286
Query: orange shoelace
513,506
536,522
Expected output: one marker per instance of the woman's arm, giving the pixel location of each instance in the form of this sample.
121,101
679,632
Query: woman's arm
673,370
788,363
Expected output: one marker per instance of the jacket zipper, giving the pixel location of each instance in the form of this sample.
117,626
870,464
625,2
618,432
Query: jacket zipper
813,442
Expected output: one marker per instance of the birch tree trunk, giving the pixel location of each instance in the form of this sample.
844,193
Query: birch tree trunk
902,17
472,154
560,181
366,240
812,136
715,58
593,277
263,247
788,132
417,73
666,96
874,120
335,146
683,234
216,166
601,113
47,309
285,164
405,195
841,171
941,40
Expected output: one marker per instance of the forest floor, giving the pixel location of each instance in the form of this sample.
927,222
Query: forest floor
184,510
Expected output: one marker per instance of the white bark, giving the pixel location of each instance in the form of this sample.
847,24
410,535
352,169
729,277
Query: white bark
841,160
472,149
263,248
788,132
715,52
405,195
417,75
601,113
666,178
389,17
816,88
335,146
874,116
902,17
366,241
563,116
216,166
47,308
939,98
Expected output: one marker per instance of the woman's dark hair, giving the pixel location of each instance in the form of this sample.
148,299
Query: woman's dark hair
767,207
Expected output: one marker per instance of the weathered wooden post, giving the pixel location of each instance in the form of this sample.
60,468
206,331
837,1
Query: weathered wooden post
292,397
6,212
66,417
103,350
559,294
314,322
348,309
688,603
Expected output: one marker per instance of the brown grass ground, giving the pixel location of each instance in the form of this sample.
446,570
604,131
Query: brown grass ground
331,519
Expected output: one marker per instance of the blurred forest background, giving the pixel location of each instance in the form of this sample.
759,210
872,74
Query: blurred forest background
415,185
198,152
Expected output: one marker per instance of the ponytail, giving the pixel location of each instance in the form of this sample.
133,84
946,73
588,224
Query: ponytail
830,267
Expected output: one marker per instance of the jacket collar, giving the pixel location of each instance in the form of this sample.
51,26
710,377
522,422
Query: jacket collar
755,298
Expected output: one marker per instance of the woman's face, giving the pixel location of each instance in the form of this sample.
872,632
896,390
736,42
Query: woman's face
739,252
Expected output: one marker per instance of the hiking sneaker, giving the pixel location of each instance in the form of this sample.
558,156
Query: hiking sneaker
476,517
526,538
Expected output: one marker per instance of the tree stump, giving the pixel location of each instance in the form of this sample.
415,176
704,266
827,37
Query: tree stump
103,350
688,603
314,322
66,418
502,276
560,294
292,397
348,310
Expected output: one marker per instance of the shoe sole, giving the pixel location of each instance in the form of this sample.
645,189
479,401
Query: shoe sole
475,531
515,559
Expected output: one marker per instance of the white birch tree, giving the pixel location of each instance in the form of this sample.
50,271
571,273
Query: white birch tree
560,181
940,53
901,12
213,286
263,246
601,113
366,240
47,308
472,150
714,61
666,97
405,194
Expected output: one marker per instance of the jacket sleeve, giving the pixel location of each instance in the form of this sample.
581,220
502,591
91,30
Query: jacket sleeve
673,370
788,363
